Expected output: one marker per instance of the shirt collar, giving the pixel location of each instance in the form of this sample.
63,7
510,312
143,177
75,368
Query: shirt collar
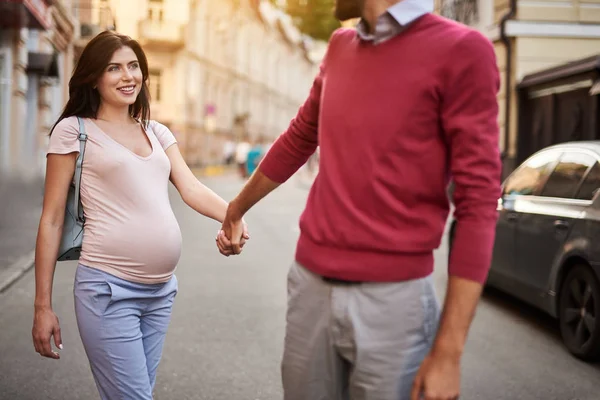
406,11
394,19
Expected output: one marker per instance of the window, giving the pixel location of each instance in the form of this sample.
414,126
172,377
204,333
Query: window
565,179
156,10
590,185
530,176
154,82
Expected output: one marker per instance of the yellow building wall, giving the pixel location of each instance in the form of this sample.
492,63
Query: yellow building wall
501,7
500,50
129,13
535,54
559,10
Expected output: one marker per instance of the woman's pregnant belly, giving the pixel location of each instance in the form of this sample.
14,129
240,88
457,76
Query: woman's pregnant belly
144,248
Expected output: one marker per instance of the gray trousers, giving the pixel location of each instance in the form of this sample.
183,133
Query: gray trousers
361,341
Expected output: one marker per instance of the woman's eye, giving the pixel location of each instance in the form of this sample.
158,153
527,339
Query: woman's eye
135,66
113,68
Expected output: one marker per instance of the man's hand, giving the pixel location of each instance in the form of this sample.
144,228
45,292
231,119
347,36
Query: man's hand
233,234
439,375
438,378
45,325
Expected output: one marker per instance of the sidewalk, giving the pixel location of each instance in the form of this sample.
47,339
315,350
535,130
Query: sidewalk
21,207
305,177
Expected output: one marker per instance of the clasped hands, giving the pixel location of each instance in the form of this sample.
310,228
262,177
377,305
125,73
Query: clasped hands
233,234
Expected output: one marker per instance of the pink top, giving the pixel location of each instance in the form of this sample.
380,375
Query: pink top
130,229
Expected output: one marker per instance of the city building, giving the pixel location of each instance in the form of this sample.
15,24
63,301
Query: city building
529,37
35,66
218,68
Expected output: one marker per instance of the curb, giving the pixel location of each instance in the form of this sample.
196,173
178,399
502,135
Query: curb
212,171
16,270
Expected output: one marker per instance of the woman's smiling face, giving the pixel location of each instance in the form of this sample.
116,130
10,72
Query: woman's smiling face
122,79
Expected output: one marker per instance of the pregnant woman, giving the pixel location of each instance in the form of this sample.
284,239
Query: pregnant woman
125,283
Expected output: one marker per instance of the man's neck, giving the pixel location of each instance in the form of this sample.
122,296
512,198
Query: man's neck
373,9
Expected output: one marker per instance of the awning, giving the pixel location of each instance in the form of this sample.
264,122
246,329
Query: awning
43,64
589,64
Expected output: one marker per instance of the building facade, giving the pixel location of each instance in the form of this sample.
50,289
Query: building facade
218,68
35,66
528,36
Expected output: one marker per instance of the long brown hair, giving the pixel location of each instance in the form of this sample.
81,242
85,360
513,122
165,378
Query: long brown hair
84,100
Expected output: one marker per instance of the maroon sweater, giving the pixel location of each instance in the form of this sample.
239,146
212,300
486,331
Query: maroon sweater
395,122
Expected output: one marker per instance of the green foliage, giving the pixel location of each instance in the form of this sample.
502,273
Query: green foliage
313,17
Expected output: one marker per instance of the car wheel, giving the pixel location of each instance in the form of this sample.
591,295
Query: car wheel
579,313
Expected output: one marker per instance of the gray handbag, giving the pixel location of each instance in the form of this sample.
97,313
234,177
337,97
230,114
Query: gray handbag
72,236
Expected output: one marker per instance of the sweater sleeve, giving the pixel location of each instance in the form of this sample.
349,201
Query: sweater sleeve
293,148
470,123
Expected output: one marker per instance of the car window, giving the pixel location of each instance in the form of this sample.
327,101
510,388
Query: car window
590,184
567,175
528,178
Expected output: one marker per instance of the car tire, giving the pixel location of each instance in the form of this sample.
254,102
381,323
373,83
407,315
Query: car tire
579,313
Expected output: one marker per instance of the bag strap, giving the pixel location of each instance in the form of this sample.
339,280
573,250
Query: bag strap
82,137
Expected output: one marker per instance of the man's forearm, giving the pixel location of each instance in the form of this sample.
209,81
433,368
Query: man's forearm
257,187
459,309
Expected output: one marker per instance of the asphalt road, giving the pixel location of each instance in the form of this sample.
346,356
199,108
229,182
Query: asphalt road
226,335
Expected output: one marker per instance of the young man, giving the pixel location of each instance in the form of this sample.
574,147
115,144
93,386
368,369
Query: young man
400,106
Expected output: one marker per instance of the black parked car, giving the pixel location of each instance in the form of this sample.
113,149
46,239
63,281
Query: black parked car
547,248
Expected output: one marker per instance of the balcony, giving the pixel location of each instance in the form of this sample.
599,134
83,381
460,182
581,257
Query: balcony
161,35
33,14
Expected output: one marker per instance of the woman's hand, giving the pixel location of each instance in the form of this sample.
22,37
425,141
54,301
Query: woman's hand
45,325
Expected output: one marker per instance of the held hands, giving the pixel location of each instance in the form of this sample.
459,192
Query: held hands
45,325
233,234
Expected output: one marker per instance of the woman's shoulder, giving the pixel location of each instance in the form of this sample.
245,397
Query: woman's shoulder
68,125
162,133
154,124
159,129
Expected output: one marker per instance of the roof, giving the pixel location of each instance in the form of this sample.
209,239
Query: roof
562,71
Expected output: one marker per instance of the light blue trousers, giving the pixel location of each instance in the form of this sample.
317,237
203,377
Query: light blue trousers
123,327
